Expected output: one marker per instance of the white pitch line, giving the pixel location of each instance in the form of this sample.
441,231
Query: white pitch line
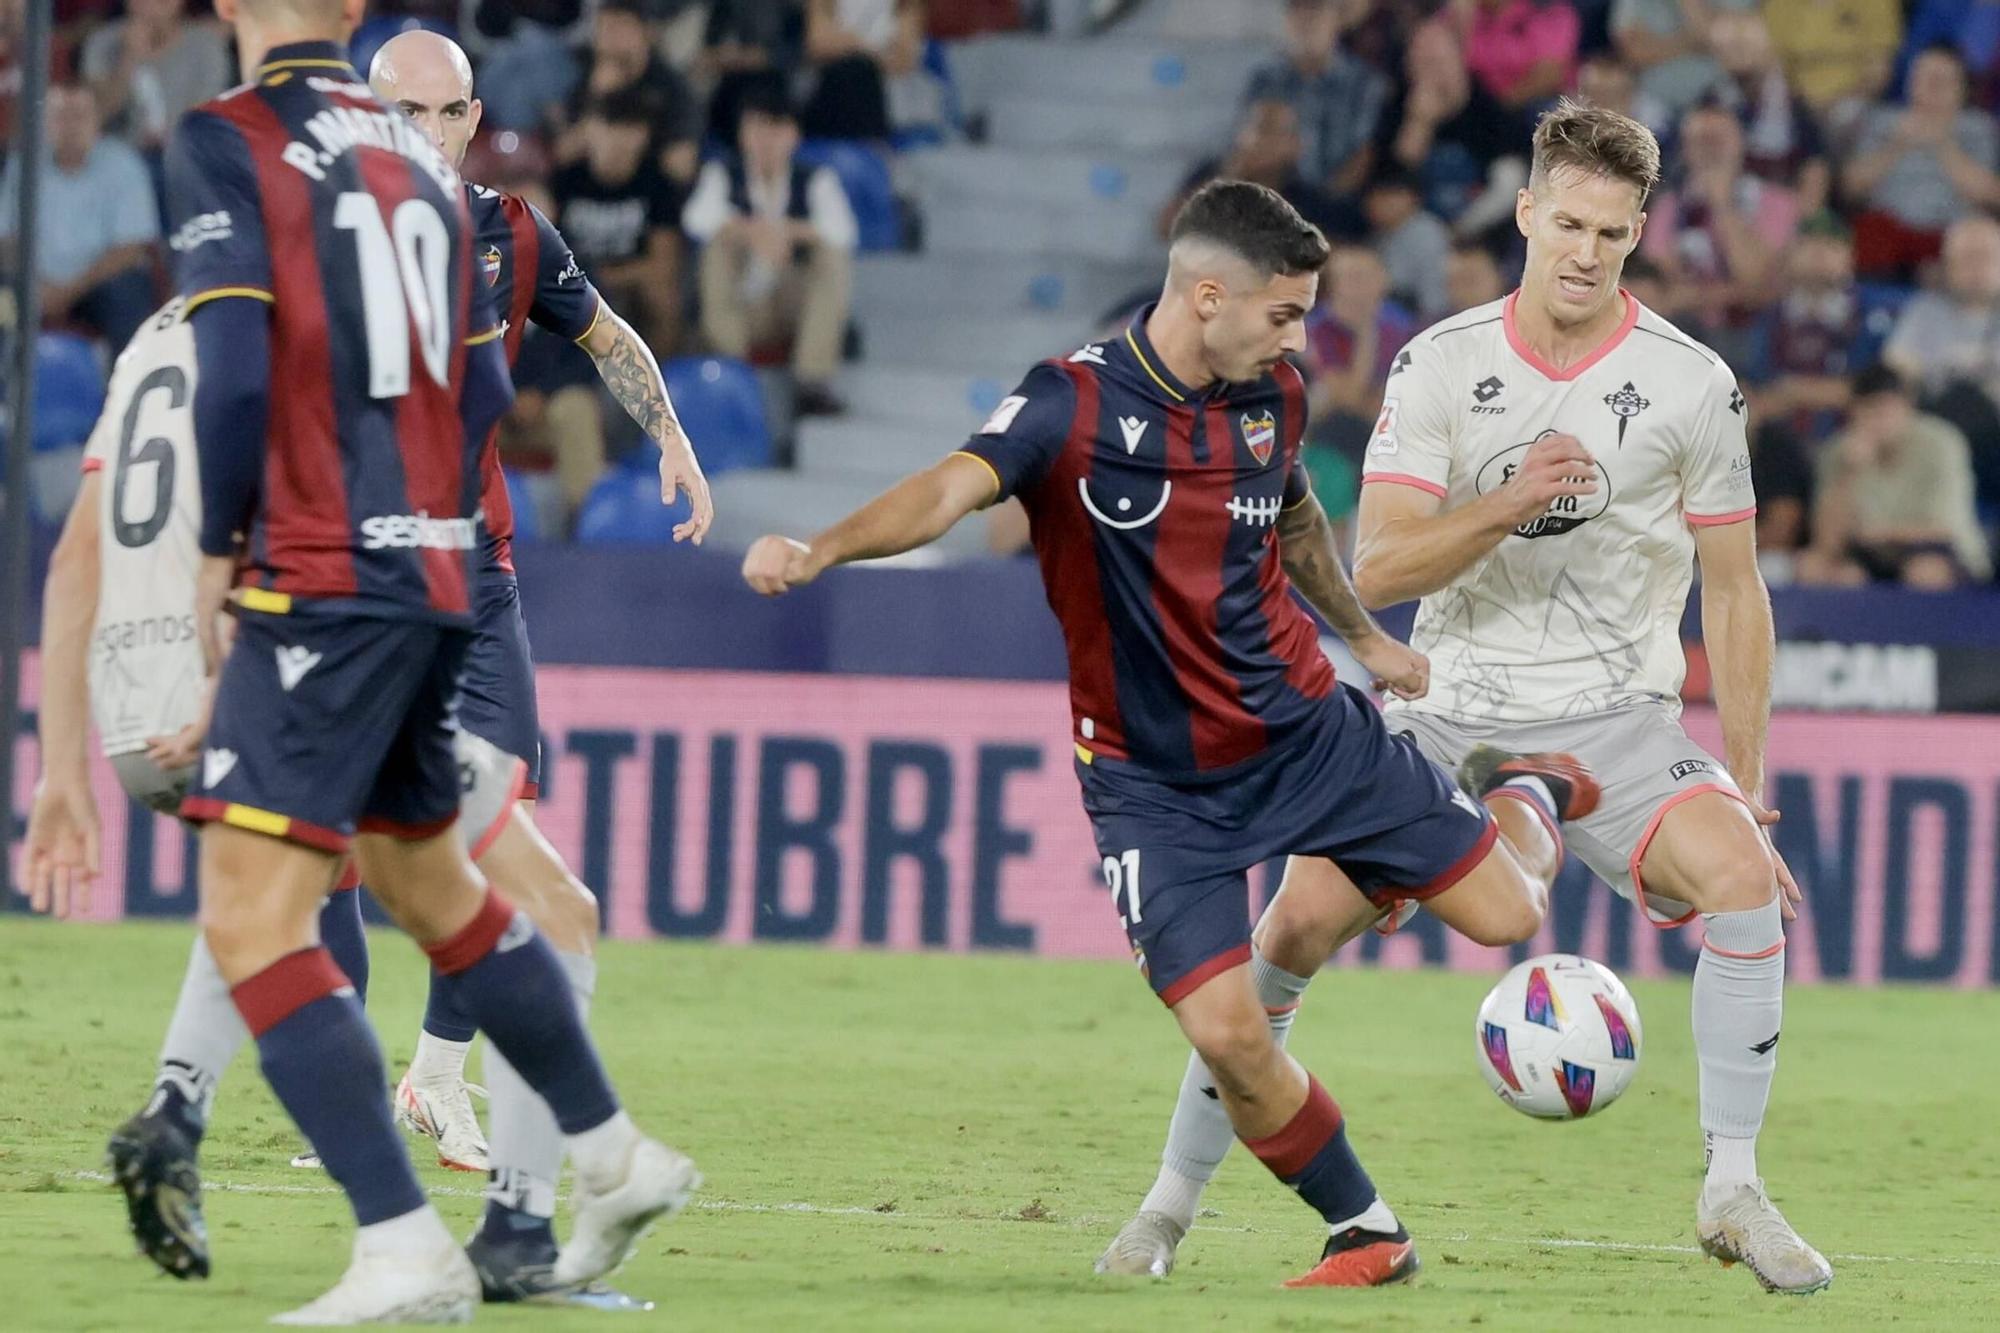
1091,1223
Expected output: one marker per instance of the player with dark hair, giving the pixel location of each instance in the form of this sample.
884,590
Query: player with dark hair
1171,514
349,374
1553,575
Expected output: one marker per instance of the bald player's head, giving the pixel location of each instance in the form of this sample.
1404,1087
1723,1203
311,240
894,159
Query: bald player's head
428,79
263,24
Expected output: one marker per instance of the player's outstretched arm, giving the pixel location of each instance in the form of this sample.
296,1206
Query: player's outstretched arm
914,512
1736,626
62,841
627,367
1312,562
1410,545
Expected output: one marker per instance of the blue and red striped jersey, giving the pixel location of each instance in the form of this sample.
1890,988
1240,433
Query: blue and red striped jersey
303,191
532,276
1154,511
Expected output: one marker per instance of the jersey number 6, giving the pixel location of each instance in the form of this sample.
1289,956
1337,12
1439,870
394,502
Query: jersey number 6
402,283
156,450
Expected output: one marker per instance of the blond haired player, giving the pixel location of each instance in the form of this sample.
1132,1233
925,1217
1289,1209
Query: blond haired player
1556,627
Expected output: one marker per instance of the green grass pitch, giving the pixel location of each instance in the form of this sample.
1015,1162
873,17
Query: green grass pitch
933,1142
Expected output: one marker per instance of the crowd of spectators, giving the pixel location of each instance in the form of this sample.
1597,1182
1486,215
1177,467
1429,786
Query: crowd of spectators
662,137
1826,220
1825,223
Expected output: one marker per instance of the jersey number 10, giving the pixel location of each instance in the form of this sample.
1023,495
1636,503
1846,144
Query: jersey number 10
403,283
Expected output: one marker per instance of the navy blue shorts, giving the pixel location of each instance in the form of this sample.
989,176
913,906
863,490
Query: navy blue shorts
497,703
326,726
1177,855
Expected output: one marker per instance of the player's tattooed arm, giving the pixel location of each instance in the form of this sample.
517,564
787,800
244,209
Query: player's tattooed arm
627,367
1312,562
1306,550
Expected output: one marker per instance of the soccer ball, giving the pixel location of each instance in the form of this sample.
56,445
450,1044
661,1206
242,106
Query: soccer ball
1558,1038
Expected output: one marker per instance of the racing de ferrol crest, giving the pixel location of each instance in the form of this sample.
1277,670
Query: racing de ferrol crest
1260,433
1625,404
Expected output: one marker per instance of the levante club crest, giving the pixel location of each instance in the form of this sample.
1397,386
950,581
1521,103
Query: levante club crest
1260,433
491,261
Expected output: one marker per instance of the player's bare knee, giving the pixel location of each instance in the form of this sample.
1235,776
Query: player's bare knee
1740,881
1237,1048
1510,917
580,913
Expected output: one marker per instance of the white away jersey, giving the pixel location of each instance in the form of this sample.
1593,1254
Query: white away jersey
145,661
1579,610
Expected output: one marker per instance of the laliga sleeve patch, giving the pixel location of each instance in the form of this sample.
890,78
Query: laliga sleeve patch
1003,415
1383,441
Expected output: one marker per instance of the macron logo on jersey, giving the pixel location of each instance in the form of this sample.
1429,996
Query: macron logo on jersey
1134,430
293,663
409,531
215,766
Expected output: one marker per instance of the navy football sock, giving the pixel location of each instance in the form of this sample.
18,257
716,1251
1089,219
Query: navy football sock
323,1064
504,1225
500,971
340,931
443,1016
1312,1155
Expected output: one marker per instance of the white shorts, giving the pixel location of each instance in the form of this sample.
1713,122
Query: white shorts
1644,760
490,782
156,788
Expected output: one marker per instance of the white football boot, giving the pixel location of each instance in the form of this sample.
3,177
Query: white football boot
611,1213
1744,1226
441,1109
434,1284
1143,1247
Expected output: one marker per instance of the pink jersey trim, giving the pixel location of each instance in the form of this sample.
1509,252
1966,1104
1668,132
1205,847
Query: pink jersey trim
1717,520
1604,349
1405,479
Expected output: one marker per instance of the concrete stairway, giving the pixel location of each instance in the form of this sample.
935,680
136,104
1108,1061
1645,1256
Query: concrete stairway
1031,237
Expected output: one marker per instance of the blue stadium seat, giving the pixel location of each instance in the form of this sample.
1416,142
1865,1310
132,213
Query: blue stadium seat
527,518
371,36
864,172
721,406
624,509
1881,304
69,391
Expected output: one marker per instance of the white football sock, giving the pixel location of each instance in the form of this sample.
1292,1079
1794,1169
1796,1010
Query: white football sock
602,1151
1199,1135
1739,1000
525,1144
1537,790
1376,1217
438,1060
204,1033
418,1231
